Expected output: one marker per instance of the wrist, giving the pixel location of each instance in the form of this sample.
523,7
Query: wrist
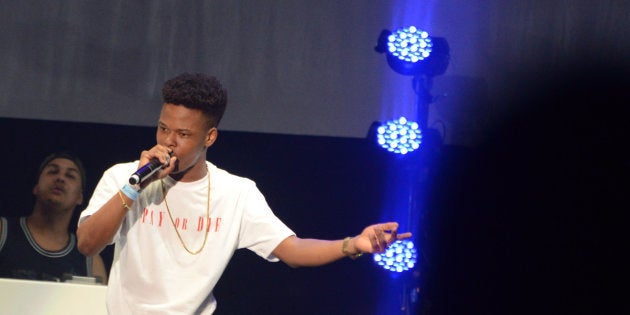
349,249
131,191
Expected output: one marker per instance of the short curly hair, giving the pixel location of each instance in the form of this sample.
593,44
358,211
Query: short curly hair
197,91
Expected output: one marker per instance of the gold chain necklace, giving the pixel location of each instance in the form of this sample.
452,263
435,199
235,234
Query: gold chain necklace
205,238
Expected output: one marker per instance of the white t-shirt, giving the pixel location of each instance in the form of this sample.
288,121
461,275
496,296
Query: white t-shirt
154,274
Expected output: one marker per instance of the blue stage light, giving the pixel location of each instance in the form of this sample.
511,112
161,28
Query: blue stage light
399,136
411,51
409,44
399,256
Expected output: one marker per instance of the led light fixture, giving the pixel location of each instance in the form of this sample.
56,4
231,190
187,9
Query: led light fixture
399,136
411,51
399,256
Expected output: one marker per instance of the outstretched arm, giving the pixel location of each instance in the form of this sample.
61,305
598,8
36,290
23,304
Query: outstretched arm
298,252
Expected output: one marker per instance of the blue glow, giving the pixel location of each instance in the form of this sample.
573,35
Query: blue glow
400,256
399,136
410,44
403,201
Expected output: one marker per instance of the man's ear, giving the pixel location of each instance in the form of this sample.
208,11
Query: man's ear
211,136
80,200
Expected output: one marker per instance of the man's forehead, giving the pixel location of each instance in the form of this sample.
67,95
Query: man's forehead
62,163
180,117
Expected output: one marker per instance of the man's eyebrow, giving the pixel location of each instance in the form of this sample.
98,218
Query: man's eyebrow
56,166
161,124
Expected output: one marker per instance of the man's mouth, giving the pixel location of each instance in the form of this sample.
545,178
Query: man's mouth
58,189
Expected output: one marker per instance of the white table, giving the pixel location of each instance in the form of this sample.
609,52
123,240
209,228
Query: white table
44,297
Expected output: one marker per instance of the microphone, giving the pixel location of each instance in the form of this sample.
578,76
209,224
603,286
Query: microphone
147,170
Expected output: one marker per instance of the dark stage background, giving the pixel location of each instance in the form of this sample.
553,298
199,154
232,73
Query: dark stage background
519,224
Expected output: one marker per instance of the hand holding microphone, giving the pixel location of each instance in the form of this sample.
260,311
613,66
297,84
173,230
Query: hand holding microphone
148,169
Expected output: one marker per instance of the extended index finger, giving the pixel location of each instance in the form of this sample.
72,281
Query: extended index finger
389,226
393,237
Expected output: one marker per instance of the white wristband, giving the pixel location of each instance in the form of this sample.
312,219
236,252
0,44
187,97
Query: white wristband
130,191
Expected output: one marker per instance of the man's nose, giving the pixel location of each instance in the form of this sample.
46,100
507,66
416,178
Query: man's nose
169,141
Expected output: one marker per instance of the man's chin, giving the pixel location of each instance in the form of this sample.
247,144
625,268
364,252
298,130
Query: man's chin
176,172
176,169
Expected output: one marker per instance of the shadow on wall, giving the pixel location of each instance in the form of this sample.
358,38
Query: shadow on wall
524,218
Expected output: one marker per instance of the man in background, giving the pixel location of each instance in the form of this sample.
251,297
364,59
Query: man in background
40,246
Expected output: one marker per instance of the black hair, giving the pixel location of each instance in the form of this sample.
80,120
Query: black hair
197,91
